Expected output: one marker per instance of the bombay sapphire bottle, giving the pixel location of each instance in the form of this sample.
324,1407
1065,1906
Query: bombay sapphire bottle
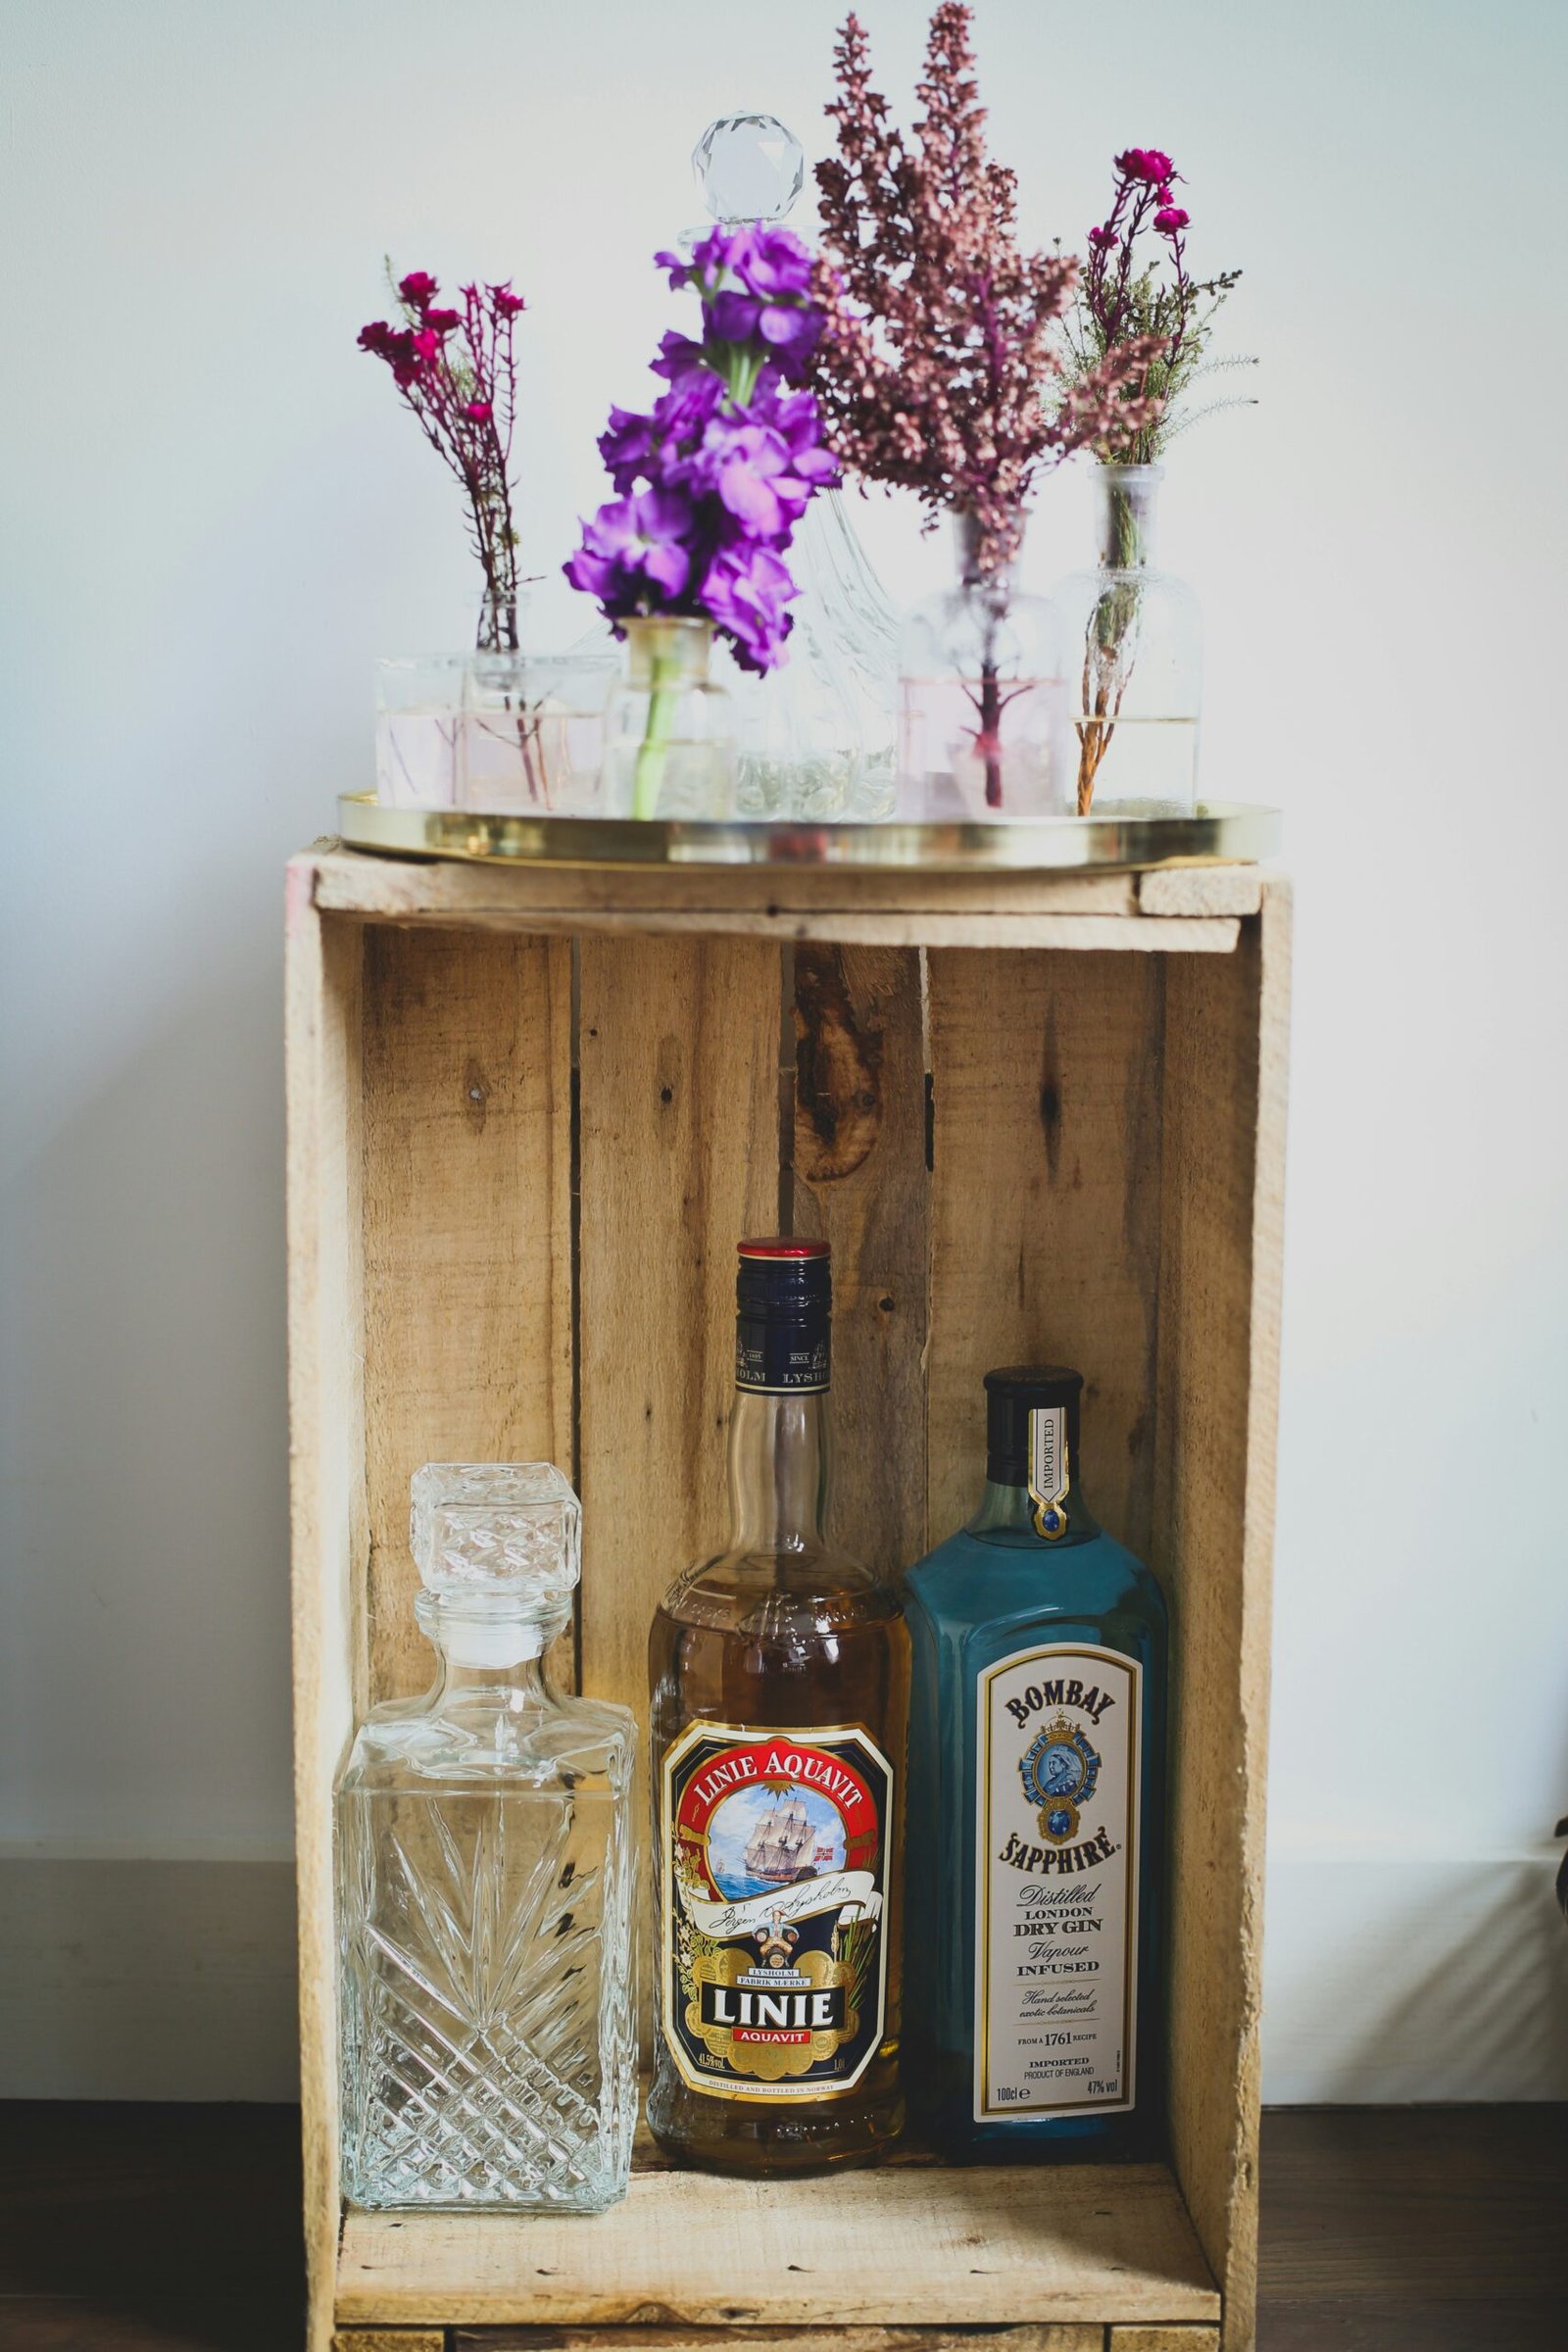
485,1861
1035,1840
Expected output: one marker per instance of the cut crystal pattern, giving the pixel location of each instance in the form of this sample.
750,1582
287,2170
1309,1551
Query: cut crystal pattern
488,2045
749,167
496,1526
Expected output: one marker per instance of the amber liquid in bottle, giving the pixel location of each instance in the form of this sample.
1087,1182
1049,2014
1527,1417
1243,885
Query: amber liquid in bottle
779,1673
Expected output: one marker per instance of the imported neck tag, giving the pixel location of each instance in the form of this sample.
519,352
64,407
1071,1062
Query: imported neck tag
1047,1470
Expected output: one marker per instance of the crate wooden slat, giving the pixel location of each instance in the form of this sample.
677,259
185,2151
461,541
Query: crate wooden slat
1030,2337
997,2244
530,1112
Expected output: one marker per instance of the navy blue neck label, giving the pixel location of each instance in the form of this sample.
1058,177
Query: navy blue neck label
783,1317
783,1356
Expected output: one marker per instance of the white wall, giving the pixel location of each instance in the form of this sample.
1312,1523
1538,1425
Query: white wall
213,516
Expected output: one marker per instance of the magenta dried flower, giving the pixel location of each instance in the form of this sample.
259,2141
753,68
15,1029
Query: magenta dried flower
1133,297
455,370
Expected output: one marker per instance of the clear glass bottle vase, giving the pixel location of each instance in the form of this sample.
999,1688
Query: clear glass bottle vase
485,1874
983,733
1136,660
669,744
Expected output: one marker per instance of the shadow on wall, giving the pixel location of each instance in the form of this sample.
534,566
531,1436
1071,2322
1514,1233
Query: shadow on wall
1391,1978
135,1980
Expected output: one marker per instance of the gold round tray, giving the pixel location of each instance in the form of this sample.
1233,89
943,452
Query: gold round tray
1217,833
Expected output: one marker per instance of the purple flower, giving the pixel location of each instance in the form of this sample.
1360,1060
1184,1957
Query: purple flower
744,591
477,412
443,321
796,416
1101,236
729,454
506,302
418,289
633,555
626,445
774,263
1170,219
732,316
678,355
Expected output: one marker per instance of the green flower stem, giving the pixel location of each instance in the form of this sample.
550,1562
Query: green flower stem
664,698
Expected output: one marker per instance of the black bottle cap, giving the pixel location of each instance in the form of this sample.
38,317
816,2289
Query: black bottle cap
783,1315
1012,1394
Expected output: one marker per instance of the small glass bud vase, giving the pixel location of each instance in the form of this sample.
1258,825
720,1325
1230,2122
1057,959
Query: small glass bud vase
1136,660
418,720
669,745
485,1864
532,729
983,704
501,730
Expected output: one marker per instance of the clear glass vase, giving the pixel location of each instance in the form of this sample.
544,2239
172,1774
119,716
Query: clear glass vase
485,1877
501,730
816,738
669,742
531,738
983,734
1136,654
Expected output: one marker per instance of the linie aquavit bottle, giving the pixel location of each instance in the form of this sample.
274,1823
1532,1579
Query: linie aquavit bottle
1036,1773
779,1672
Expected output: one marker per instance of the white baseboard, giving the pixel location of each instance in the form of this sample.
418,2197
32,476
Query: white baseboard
134,1980
1396,1977
1388,1979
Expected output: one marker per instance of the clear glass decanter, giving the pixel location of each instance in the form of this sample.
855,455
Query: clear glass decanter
485,1868
669,742
816,737
983,718
1135,646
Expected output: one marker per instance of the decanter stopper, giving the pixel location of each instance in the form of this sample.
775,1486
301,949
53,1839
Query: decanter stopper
749,167
495,1542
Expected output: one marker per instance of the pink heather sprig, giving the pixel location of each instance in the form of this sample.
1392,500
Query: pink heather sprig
937,368
457,371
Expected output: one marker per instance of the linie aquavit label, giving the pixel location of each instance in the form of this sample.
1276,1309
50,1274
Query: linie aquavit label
774,1881
1057,1894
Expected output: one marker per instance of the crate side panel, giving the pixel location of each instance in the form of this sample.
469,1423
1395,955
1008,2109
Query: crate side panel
327,1504
679,1155
467,1234
860,1182
1218,1387
1044,1208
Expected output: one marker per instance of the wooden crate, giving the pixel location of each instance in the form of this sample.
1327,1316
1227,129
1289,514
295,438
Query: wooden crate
530,1114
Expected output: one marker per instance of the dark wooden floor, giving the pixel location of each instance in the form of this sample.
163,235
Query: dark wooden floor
1384,2229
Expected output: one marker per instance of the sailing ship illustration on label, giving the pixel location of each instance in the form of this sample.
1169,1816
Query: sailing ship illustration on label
775,1876
776,1846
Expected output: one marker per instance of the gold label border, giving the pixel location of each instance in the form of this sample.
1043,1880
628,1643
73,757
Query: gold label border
805,1735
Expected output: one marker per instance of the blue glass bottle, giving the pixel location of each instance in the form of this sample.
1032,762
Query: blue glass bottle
1037,1761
